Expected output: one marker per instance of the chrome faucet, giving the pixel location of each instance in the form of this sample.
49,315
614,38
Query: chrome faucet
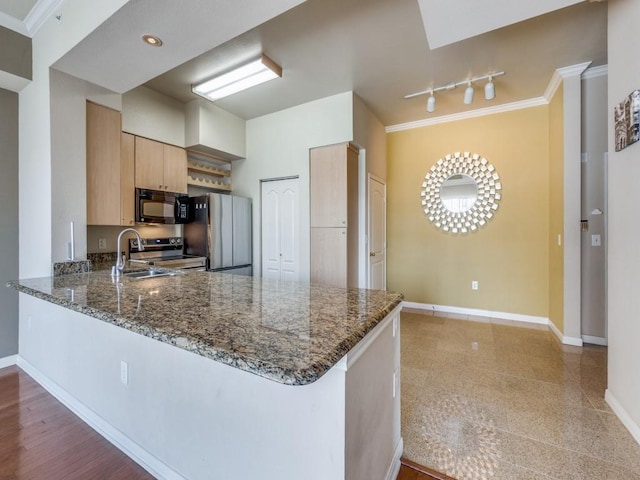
119,266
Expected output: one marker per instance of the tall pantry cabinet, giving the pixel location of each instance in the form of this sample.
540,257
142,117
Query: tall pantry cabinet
333,190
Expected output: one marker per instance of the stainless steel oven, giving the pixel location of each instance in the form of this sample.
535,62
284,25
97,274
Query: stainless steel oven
155,206
164,253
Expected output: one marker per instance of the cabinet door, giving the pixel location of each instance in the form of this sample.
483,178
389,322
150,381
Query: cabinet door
149,164
328,186
329,256
103,165
127,186
175,169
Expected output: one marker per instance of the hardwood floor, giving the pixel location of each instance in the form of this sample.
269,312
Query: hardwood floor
41,439
413,471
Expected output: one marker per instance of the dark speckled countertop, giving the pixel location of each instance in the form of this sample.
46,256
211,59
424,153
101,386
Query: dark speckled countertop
288,332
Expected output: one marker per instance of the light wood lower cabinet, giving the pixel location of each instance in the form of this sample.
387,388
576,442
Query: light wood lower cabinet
329,256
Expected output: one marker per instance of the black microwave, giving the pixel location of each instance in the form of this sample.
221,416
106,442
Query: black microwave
155,206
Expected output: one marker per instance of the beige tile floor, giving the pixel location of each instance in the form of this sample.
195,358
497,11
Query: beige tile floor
488,401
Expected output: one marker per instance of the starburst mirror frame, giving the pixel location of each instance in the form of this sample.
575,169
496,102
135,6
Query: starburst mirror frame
488,186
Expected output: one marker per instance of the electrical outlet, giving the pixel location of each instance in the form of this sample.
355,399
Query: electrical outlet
396,383
474,285
102,243
124,373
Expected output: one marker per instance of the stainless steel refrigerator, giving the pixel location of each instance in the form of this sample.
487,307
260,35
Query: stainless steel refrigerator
220,230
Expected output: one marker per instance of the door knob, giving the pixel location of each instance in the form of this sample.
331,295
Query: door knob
372,254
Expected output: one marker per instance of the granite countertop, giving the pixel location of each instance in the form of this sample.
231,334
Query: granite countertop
289,332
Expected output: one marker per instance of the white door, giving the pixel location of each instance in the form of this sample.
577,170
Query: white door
280,232
377,234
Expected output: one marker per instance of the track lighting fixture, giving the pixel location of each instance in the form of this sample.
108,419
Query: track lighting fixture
489,90
431,103
468,94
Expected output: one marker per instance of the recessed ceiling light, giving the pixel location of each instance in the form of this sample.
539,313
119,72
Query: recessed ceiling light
152,40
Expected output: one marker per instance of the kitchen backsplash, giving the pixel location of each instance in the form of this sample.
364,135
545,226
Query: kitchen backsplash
110,235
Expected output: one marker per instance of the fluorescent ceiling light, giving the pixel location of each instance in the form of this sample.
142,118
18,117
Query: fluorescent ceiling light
241,78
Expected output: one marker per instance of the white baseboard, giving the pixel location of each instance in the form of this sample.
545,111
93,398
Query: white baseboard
473,314
576,342
134,451
595,340
621,413
8,361
394,468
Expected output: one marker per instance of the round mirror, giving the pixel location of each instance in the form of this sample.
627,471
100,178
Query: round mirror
458,193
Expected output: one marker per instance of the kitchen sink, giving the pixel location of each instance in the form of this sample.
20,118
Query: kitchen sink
150,274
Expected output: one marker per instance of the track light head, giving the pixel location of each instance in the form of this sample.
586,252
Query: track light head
468,94
431,103
489,90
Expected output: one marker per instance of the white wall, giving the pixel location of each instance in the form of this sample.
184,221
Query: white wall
594,145
8,222
35,170
278,146
150,114
370,135
623,391
220,132
69,159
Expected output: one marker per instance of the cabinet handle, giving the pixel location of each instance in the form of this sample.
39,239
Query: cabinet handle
160,186
372,254
344,222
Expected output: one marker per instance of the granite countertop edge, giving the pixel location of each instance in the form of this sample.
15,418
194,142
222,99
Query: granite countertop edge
257,367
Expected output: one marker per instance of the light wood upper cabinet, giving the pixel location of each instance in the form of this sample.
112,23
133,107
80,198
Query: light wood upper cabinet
175,169
103,165
127,186
333,171
159,166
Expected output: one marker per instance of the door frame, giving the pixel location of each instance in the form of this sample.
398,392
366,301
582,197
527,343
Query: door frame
371,176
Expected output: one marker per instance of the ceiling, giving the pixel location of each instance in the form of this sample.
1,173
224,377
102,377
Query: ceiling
377,48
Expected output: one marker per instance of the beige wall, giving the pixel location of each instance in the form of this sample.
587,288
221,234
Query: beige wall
556,208
509,256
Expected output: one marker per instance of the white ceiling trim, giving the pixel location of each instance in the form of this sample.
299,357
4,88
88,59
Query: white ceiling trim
480,112
12,82
39,14
593,72
562,73
13,23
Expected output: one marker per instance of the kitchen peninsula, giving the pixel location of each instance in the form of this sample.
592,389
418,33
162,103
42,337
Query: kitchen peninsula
213,376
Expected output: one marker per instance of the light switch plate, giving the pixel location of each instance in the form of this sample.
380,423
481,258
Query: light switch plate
596,241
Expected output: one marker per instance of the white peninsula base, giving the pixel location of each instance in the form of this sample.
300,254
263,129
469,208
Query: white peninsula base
183,416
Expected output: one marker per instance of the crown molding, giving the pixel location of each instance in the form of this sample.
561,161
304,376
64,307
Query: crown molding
506,107
560,74
39,14
594,72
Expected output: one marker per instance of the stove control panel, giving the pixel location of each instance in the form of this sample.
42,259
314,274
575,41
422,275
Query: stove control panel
156,244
